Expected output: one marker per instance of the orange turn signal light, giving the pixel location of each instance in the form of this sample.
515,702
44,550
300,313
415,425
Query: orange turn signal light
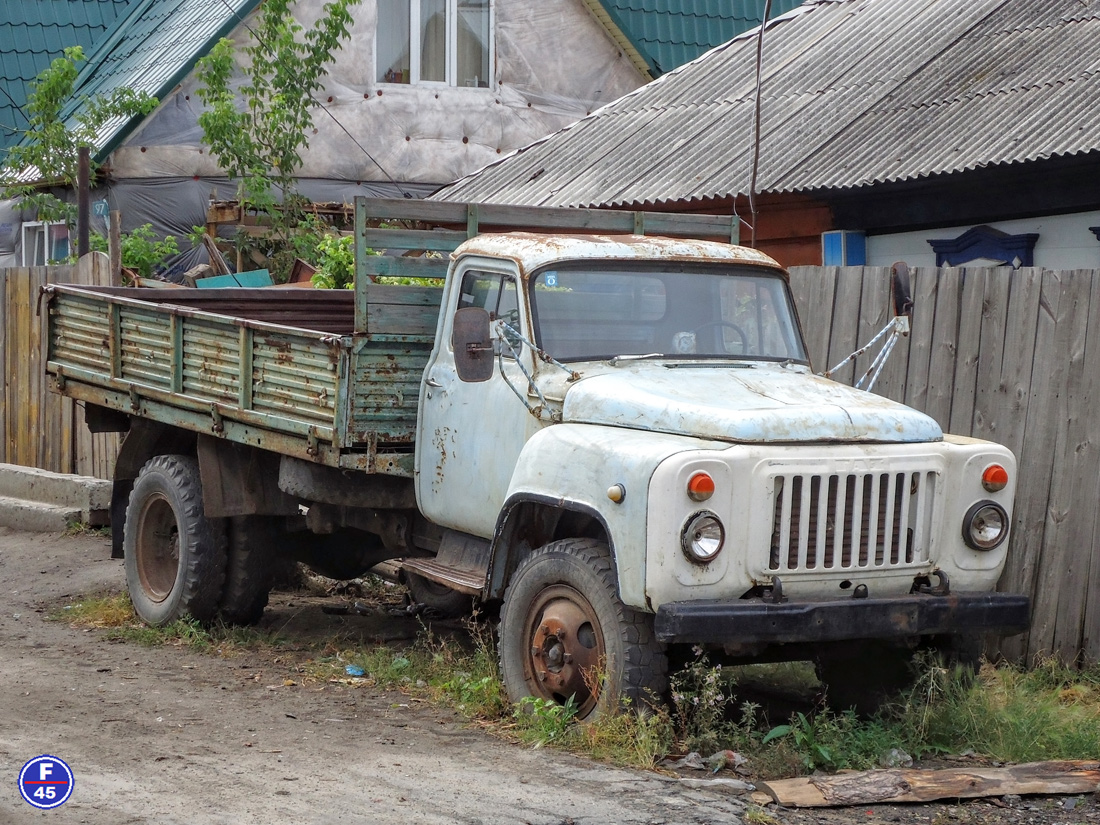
700,487
995,478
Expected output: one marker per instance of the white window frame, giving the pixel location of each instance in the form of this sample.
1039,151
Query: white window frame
451,68
34,231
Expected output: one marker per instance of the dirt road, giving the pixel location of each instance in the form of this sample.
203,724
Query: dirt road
164,735
168,736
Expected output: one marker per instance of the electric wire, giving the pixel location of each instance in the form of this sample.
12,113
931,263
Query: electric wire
756,121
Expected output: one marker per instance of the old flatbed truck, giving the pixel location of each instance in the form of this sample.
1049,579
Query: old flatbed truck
605,424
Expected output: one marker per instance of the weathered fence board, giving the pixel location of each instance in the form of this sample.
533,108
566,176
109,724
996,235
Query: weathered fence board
1009,355
39,428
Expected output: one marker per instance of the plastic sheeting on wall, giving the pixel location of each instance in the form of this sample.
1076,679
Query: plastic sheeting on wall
554,63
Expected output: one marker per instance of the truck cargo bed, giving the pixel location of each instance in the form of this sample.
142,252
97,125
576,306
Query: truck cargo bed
281,369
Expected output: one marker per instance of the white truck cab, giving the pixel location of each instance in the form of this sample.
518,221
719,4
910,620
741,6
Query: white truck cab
633,425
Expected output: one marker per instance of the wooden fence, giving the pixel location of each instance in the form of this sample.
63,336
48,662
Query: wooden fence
39,428
1008,355
1012,356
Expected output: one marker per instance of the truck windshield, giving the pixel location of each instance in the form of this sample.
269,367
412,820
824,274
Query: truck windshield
583,313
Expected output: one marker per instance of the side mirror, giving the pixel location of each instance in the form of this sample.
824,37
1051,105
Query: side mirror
900,292
472,344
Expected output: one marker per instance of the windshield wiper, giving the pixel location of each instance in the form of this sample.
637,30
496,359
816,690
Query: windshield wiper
615,359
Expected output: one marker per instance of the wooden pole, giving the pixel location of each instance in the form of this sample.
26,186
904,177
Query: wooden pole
114,247
84,200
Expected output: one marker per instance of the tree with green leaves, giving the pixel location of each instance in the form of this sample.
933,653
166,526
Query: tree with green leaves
48,153
258,133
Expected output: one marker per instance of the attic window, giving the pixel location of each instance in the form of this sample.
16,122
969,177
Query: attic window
434,41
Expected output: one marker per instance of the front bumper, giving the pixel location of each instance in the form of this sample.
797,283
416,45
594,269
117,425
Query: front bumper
754,621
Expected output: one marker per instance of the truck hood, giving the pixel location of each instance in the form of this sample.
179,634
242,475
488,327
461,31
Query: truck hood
758,402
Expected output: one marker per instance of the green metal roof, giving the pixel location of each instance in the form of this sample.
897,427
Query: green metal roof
670,33
152,49
32,35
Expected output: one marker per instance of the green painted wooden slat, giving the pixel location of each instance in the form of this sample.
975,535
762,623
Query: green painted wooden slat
433,240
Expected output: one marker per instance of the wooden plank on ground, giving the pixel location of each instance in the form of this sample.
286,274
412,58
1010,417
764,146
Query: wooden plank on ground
1059,607
911,785
943,357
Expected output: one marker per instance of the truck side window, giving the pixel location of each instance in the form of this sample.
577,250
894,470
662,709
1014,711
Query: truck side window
497,294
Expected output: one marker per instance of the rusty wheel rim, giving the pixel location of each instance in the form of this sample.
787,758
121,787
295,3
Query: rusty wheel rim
565,648
157,548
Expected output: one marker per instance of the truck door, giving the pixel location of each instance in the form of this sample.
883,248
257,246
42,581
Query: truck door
470,434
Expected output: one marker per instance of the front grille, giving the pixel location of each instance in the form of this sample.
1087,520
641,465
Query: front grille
858,520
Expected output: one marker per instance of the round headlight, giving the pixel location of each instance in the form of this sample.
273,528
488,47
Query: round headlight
703,537
985,525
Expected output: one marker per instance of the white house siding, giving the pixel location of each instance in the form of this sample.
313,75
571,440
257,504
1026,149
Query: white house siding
1065,242
553,64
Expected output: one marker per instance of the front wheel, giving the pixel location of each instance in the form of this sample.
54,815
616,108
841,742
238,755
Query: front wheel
174,555
564,633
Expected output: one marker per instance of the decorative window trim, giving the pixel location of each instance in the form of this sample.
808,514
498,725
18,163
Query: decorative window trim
986,242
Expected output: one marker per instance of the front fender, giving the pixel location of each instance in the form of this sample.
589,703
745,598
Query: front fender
574,465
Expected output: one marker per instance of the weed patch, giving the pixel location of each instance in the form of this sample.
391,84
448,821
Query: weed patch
114,613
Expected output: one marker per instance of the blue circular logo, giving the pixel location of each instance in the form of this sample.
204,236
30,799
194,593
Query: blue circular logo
46,782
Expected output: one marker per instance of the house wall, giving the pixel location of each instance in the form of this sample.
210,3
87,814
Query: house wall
554,64
1065,242
788,228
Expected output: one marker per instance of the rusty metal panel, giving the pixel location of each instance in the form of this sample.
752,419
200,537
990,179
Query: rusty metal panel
146,347
78,327
295,377
385,387
210,360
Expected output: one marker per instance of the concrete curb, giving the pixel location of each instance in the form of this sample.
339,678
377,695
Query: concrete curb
40,501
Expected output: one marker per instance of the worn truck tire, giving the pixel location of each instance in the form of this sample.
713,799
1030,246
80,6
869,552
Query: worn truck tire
440,600
174,555
565,633
249,572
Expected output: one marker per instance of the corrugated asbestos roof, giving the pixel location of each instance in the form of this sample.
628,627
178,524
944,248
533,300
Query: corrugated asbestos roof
855,92
152,49
32,34
669,33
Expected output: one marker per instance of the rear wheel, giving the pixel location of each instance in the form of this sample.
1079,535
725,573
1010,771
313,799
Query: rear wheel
174,556
564,633
250,569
